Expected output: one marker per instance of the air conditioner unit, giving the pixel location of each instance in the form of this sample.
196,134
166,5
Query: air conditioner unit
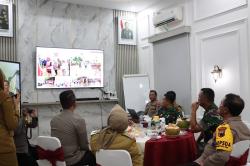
168,16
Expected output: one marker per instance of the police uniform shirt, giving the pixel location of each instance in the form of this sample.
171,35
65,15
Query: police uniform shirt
212,155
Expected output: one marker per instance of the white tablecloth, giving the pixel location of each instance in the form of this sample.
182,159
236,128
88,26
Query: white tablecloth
141,143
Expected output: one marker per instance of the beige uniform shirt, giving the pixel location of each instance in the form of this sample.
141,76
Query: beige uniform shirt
70,129
211,157
151,108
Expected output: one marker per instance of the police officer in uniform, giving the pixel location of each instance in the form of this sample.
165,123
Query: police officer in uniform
153,105
233,130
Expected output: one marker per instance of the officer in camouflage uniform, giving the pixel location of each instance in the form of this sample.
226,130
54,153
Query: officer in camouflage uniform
230,109
152,106
170,110
210,120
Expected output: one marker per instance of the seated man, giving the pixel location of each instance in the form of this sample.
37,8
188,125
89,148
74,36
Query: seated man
70,129
114,136
210,120
231,131
170,110
153,105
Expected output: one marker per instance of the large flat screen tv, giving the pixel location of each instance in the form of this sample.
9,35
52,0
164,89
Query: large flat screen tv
11,71
68,68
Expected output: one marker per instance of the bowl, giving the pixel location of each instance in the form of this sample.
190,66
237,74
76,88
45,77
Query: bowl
156,118
172,130
183,124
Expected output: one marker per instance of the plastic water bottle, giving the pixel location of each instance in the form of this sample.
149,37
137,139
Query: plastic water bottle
162,124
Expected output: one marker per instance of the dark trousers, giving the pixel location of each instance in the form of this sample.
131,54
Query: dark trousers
24,159
88,160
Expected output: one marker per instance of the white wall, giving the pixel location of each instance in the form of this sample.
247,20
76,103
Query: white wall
220,35
172,55
146,29
56,24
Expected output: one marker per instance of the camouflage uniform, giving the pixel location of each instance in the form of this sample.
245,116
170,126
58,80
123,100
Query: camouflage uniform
179,109
151,108
210,121
170,114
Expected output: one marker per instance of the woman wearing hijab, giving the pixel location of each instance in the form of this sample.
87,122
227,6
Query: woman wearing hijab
114,136
8,122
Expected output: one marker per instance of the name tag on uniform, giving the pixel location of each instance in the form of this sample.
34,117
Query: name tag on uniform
224,138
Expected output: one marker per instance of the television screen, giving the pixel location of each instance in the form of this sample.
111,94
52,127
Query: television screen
68,68
12,84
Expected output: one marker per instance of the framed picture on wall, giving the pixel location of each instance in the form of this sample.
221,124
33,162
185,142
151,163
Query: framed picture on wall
6,18
127,31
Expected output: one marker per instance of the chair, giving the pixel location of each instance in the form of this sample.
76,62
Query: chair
113,158
239,154
49,149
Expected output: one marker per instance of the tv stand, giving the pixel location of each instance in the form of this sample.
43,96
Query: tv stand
77,102
87,99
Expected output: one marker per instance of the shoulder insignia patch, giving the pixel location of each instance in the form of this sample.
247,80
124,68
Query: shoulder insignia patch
224,138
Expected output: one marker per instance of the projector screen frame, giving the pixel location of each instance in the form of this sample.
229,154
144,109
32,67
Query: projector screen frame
54,88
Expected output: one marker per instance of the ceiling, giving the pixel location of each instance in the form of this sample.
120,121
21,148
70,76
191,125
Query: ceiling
127,5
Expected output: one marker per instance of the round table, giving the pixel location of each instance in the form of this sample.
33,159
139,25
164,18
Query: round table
168,151
140,141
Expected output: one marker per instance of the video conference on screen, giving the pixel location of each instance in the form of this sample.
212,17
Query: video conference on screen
68,68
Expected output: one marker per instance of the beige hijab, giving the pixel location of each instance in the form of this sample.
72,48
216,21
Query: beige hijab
117,123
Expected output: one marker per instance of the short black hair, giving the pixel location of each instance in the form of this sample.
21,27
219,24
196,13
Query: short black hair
171,96
209,93
67,99
154,91
234,103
